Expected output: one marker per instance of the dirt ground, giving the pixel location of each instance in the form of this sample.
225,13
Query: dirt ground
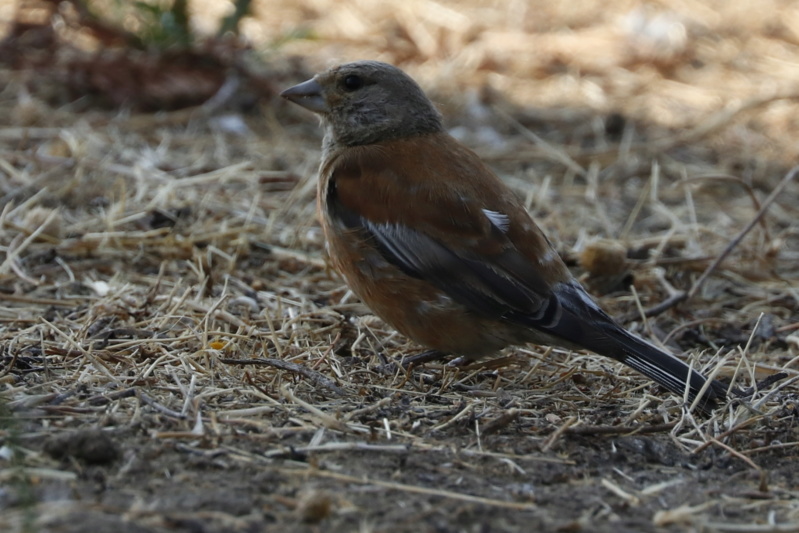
177,356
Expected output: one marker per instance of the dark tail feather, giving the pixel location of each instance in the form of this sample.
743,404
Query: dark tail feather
663,368
578,321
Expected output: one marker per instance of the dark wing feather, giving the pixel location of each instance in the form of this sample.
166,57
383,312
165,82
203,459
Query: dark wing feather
484,288
487,289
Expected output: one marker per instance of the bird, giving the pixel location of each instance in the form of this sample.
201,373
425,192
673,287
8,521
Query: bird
439,247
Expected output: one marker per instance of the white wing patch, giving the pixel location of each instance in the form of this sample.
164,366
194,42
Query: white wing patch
549,256
500,220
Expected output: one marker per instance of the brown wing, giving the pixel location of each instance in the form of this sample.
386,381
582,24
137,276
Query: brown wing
474,241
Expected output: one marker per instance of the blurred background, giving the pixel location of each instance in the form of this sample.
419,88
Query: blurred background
672,62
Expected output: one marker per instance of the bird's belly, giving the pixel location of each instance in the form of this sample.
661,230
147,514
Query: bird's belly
415,307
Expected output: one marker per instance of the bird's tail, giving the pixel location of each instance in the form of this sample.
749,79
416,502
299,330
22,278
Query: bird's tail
582,323
664,368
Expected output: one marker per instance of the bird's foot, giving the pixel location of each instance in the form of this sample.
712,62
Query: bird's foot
422,358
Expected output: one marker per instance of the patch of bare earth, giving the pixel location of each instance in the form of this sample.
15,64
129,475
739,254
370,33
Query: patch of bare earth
176,355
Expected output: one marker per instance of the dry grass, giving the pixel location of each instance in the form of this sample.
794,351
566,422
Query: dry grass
164,274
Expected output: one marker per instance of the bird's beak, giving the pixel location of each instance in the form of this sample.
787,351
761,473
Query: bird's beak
308,94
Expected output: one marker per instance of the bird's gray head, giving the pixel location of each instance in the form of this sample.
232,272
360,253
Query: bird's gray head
367,102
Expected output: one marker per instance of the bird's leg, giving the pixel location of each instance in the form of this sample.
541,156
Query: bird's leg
422,358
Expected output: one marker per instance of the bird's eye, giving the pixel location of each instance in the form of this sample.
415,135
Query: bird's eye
352,83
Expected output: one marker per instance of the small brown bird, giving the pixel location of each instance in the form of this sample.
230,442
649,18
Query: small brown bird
438,246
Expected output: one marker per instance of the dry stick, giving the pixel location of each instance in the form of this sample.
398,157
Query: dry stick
713,123
144,398
742,425
718,120
775,390
726,527
620,430
763,478
340,447
739,181
88,354
570,156
368,409
555,153
771,447
499,423
71,302
328,420
314,376
659,308
552,439
13,362
102,399
410,488
733,243
741,361
12,255
464,412
681,296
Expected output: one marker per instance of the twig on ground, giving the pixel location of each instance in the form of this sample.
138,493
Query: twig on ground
316,377
690,293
